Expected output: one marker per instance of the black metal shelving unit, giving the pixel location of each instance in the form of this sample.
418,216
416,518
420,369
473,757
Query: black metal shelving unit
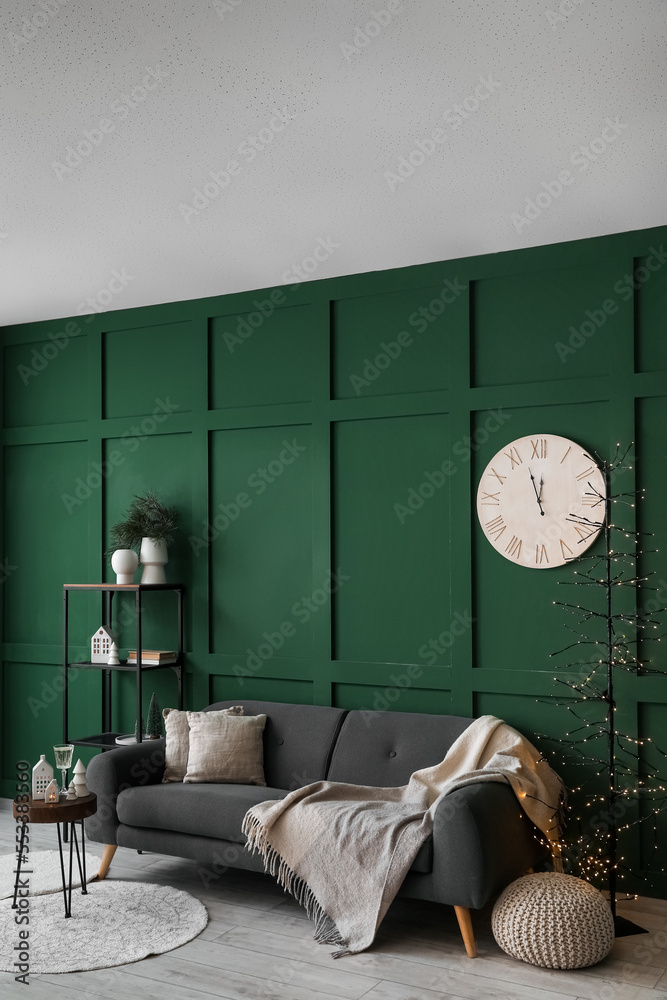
106,740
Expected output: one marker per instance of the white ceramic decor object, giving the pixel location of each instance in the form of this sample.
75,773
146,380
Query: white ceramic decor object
124,563
113,660
100,644
153,558
52,792
80,780
42,775
71,791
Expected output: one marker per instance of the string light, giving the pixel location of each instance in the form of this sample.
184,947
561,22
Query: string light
631,782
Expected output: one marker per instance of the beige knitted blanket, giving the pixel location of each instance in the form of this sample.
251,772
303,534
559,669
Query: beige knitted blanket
343,850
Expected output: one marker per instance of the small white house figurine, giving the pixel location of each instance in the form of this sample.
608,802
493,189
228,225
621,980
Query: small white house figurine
113,660
80,780
71,791
52,793
42,775
100,645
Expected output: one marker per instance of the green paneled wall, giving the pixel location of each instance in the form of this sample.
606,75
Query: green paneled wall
323,444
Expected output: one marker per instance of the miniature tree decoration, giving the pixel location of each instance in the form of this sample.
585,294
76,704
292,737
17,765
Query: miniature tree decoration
620,777
80,785
154,725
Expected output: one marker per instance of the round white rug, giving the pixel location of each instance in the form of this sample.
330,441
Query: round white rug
44,871
116,923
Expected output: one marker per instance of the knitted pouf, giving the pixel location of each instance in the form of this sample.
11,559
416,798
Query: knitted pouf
553,920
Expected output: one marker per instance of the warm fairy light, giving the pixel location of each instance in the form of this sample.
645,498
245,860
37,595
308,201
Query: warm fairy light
592,853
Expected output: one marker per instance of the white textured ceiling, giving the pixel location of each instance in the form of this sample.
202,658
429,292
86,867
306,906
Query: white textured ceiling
216,72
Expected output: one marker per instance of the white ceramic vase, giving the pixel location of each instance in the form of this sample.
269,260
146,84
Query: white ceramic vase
153,558
124,563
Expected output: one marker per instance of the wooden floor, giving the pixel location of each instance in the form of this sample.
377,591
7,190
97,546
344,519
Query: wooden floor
258,946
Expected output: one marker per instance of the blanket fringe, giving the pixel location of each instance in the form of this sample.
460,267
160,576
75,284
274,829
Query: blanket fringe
326,931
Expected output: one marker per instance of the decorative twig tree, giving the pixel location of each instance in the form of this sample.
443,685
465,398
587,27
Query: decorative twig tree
617,630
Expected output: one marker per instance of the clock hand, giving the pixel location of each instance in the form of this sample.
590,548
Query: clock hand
537,496
541,485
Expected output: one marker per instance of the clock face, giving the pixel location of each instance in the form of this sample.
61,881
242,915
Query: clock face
527,494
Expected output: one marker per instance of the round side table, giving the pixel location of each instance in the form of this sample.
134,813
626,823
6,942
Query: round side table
68,812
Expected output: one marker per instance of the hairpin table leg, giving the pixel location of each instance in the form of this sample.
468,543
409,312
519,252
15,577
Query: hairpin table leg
62,866
80,857
72,837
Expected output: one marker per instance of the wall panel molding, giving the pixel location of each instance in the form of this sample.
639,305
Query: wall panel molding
432,618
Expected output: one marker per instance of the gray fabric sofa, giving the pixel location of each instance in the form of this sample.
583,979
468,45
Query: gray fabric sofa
482,839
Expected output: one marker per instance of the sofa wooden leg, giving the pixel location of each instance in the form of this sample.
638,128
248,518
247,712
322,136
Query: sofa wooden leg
467,933
107,858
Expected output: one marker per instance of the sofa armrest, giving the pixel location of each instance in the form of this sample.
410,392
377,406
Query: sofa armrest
114,770
482,841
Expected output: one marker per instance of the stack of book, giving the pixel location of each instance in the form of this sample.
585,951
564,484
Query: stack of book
153,657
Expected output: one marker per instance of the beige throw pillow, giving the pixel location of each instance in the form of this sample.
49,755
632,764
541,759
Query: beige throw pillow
178,740
226,748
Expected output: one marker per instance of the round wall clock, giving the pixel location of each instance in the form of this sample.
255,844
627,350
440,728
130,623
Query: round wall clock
528,494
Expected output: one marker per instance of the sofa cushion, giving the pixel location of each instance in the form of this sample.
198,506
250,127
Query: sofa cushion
226,748
177,732
214,811
384,748
200,809
298,739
